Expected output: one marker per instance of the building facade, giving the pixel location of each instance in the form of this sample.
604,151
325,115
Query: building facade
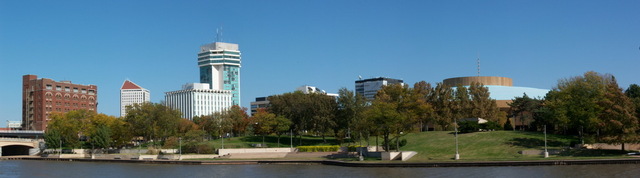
369,87
219,65
42,97
502,90
131,93
197,99
260,103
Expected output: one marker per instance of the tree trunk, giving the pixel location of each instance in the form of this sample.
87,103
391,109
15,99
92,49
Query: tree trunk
622,146
398,144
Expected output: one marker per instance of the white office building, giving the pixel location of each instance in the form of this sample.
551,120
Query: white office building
197,99
369,87
219,65
131,93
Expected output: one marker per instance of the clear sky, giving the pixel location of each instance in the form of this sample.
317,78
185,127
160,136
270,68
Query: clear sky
328,44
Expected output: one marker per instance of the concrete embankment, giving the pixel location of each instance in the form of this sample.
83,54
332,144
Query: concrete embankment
351,164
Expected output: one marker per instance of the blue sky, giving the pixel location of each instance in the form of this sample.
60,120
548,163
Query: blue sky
286,44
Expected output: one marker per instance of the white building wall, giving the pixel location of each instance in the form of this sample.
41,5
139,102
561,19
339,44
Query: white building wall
132,96
198,102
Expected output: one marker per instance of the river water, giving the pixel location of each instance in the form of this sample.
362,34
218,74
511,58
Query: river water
32,168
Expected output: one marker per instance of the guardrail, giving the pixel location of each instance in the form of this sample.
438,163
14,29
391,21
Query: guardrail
21,139
22,131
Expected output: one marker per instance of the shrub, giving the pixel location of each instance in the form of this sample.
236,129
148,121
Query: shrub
468,126
392,145
352,148
491,125
332,148
508,126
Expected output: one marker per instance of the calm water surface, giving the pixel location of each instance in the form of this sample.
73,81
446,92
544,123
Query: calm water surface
91,169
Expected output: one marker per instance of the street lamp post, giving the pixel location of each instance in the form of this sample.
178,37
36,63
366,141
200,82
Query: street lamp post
180,148
546,153
457,157
291,137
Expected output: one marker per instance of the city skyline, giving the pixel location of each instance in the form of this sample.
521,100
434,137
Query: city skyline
327,44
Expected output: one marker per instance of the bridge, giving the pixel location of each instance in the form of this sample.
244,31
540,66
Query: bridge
20,142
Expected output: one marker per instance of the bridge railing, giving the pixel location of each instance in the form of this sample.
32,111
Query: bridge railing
22,131
20,139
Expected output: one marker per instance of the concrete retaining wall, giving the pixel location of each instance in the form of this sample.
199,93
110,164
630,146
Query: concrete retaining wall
254,150
605,146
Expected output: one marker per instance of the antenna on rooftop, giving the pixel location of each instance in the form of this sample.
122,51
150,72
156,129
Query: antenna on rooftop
219,34
478,60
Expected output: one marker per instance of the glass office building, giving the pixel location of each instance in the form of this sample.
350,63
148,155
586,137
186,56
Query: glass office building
219,65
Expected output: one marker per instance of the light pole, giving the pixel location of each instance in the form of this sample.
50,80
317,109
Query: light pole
291,137
180,150
139,148
546,153
60,154
457,157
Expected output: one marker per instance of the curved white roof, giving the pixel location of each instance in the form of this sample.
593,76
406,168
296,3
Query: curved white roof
510,92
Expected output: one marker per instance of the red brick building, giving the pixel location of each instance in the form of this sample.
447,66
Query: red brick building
42,97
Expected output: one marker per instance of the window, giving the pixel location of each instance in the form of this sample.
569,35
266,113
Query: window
84,90
59,88
49,87
92,92
75,90
67,89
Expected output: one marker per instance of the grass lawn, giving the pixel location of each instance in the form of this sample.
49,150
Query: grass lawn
437,146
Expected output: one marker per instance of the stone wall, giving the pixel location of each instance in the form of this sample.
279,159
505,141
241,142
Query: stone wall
254,150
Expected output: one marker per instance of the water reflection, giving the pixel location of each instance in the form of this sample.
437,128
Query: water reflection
94,169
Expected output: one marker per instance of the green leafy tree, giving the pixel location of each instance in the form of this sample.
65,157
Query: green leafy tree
351,107
633,92
52,138
391,112
443,104
574,103
67,127
101,137
524,108
153,121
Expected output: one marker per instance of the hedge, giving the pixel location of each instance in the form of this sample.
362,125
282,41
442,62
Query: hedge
333,148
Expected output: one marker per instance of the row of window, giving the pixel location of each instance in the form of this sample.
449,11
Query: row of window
68,89
220,52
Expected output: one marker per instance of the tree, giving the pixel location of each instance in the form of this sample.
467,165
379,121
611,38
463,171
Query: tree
421,107
633,92
523,109
618,122
573,103
391,112
269,123
442,100
350,109
100,137
239,119
52,138
482,105
67,127
153,121
313,112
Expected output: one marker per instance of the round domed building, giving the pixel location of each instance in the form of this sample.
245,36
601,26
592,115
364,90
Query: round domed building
500,88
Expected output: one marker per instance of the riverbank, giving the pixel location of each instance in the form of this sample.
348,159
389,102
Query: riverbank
348,164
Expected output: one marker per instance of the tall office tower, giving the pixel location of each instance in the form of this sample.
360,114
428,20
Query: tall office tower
219,65
131,93
41,97
196,99
369,87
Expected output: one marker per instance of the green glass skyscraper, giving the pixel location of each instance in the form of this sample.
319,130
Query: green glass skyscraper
219,65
